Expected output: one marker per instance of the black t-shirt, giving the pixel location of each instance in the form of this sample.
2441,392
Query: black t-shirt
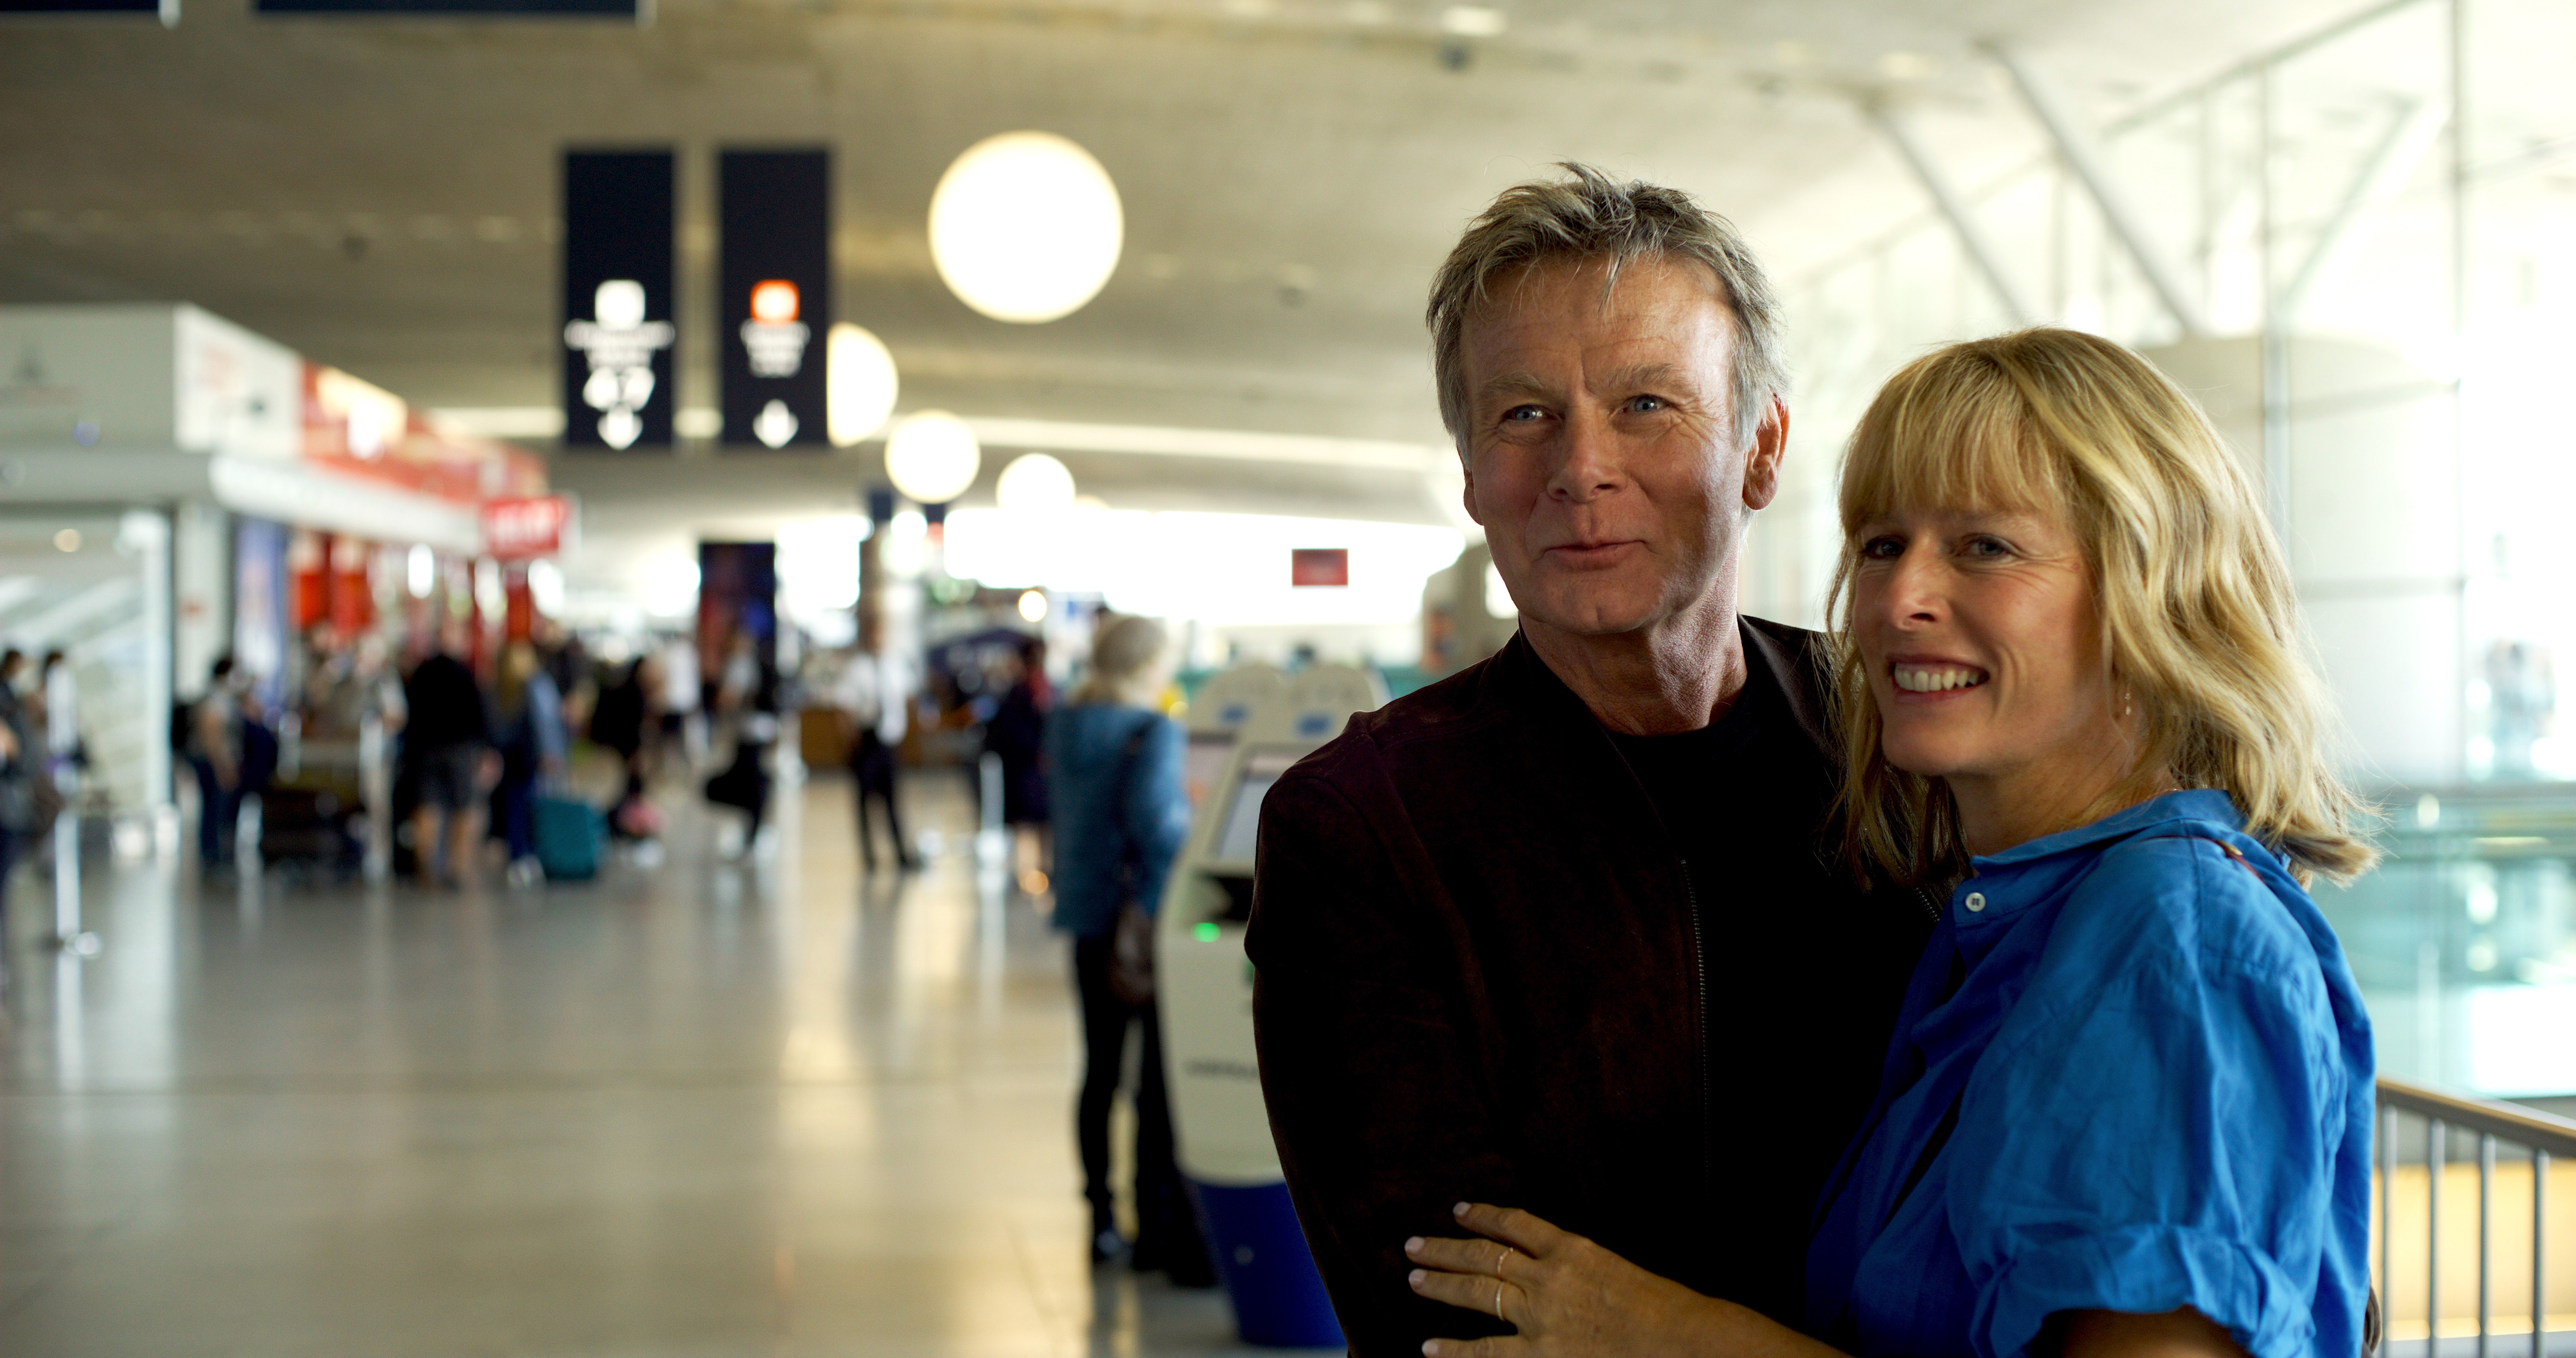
446,706
1803,972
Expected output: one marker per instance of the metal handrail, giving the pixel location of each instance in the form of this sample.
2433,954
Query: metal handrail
2530,1127
2542,1134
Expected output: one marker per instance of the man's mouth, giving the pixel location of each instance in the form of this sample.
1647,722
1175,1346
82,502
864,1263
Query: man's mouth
1936,678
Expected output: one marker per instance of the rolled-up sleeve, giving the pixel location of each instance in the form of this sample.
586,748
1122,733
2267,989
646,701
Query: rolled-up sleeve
2167,1139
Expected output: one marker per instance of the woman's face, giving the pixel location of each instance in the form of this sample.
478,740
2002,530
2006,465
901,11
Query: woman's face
1984,647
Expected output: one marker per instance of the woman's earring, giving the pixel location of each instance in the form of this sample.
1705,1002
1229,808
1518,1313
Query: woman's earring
2127,706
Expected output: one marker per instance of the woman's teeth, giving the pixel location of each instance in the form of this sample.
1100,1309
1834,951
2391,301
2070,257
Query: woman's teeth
1936,678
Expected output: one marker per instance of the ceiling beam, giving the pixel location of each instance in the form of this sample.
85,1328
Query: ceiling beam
2085,159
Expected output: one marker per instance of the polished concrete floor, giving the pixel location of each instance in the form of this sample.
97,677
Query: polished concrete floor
696,1108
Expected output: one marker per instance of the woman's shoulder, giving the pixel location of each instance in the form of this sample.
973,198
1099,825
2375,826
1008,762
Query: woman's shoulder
2199,895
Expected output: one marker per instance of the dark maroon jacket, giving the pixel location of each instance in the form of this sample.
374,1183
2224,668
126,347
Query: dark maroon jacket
1484,973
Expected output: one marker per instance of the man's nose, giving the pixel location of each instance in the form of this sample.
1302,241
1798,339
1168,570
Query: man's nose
1591,463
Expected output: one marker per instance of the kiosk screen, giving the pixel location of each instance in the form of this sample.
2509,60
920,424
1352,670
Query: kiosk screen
1204,764
1243,818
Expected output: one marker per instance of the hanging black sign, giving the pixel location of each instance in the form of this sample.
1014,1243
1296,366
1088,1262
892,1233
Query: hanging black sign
167,11
774,294
617,331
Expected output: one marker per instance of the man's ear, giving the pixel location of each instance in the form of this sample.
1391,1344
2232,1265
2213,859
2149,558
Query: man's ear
1762,460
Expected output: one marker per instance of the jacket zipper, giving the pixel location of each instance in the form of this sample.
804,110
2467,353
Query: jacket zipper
1930,907
1699,969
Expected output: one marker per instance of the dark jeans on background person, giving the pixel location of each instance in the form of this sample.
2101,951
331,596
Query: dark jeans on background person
1167,1232
518,806
219,808
872,769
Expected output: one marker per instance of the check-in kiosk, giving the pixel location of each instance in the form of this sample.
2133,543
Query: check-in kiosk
1216,715
1206,997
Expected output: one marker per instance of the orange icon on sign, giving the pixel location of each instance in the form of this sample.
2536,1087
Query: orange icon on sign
773,301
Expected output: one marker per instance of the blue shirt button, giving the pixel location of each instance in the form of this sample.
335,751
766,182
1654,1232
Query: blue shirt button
1976,901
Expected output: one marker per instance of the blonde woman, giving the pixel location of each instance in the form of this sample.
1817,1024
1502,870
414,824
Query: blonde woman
2128,1106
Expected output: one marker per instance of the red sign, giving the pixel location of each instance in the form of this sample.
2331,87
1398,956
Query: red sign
536,525
1319,566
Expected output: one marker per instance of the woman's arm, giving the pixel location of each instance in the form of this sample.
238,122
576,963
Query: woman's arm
2184,1333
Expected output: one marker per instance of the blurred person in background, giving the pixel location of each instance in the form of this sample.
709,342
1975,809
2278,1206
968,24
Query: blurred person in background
20,773
623,722
215,755
747,702
534,748
876,689
53,709
676,703
1016,734
1121,814
447,744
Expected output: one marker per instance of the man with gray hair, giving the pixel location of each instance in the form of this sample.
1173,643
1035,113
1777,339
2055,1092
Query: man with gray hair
1562,932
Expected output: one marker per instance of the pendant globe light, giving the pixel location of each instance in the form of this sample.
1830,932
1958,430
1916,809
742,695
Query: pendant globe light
1026,227
932,457
1034,483
859,384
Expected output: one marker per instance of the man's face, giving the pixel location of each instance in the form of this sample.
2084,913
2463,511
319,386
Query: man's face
1601,456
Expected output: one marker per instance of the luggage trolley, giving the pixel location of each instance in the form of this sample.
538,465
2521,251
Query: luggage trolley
1206,997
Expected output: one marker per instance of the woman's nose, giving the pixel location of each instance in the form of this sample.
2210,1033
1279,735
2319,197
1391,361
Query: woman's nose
1914,589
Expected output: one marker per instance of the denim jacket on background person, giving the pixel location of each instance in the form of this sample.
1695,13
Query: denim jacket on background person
1120,810
2132,1074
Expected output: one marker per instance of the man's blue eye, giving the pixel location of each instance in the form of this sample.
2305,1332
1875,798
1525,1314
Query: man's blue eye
1647,405
1523,413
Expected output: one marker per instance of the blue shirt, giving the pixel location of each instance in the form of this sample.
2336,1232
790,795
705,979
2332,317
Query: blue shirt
2132,1073
1119,808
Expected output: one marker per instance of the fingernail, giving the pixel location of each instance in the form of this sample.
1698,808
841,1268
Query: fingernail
1416,1277
1413,1246
1430,1348
1458,1210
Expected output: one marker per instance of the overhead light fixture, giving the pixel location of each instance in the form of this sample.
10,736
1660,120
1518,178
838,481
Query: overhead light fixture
1035,483
1026,227
859,384
1033,606
932,457
1473,21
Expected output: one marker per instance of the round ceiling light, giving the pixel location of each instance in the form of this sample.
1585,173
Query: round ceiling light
1026,227
932,457
1034,483
858,384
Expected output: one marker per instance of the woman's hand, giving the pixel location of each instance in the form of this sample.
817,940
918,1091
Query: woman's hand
1570,1298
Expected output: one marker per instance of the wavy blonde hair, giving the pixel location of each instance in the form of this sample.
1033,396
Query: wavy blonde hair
2199,622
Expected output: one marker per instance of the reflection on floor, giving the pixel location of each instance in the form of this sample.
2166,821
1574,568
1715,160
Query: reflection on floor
775,1107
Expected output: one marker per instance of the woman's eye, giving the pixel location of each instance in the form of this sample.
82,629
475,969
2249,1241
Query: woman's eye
1988,548
1882,549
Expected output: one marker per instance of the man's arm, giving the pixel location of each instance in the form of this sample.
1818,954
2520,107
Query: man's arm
1377,1098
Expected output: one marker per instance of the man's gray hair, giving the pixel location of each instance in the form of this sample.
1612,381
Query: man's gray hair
1590,216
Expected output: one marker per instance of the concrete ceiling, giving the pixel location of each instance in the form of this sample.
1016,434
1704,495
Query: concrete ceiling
380,194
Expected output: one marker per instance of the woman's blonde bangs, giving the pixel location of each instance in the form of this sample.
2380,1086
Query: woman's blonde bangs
1949,431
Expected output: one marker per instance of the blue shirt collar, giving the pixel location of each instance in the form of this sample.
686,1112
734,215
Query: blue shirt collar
2195,804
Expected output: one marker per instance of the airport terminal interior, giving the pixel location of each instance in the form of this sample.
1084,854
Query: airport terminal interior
540,540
